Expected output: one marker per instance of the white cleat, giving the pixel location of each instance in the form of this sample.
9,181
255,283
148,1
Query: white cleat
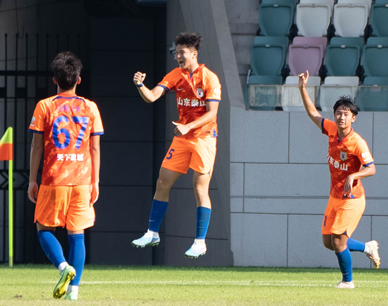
196,250
345,285
373,254
149,239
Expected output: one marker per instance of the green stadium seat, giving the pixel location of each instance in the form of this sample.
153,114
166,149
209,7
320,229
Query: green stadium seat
373,94
268,55
374,57
276,18
379,19
343,56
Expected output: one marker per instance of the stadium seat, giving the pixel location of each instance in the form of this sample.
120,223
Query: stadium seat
291,100
335,87
306,53
343,56
367,2
268,55
329,2
294,2
313,19
275,19
322,41
263,97
379,19
374,57
350,19
373,94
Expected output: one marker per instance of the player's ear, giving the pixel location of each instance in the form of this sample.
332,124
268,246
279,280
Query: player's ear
79,80
55,81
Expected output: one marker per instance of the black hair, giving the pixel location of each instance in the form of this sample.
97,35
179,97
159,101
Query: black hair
66,67
347,102
189,39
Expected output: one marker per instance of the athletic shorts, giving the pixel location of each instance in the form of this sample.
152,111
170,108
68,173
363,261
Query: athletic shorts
198,154
342,216
65,206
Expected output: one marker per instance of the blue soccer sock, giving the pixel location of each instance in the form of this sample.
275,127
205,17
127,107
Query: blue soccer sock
77,256
345,263
51,247
355,245
157,213
203,220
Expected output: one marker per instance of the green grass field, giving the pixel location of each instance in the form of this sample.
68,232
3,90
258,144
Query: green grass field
123,285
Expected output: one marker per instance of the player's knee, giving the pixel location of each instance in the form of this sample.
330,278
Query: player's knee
163,184
328,245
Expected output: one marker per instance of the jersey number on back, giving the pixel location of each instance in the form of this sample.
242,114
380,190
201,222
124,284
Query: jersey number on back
56,132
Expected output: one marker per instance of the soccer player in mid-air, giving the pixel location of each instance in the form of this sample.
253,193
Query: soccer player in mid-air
349,161
69,129
198,93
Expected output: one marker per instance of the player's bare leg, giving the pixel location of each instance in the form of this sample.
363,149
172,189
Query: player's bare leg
201,184
164,183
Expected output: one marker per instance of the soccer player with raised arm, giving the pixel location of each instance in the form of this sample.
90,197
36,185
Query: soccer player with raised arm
198,94
349,161
68,127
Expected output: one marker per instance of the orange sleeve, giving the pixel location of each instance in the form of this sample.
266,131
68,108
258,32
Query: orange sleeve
38,118
363,153
170,80
213,88
97,128
328,127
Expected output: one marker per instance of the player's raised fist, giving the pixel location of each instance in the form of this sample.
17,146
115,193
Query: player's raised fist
303,78
138,78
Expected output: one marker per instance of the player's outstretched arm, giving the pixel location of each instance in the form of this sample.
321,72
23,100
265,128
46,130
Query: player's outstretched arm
148,95
95,156
309,106
35,155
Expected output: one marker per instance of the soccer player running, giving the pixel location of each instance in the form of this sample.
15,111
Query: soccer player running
69,129
198,93
349,161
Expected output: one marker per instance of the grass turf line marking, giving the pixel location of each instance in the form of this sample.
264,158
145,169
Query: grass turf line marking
232,283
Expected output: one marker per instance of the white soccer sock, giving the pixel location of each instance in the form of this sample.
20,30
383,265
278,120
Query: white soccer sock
73,289
62,266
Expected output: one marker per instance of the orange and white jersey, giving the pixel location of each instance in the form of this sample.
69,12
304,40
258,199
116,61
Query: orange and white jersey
67,122
192,93
345,156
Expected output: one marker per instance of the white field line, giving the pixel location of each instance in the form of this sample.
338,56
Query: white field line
235,283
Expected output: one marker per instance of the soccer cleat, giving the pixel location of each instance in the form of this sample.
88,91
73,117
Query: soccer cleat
66,276
373,254
345,285
71,296
147,240
196,250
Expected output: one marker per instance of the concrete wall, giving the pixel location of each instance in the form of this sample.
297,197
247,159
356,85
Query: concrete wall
280,185
210,20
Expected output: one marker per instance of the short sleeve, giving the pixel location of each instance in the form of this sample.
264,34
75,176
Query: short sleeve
97,128
38,118
328,127
363,153
169,81
213,88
